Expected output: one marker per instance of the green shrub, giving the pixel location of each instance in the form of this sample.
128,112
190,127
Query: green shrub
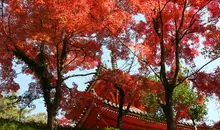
7,124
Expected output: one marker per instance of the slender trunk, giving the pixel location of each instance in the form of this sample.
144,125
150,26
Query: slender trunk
51,114
120,109
171,124
194,124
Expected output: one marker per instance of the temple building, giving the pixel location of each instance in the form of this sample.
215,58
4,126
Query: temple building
94,115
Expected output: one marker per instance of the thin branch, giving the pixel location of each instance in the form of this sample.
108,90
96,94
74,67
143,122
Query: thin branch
162,51
142,60
197,70
183,16
65,85
84,58
123,66
200,9
192,21
152,69
78,75
165,5
81,48
75,50
127,109
65,65
132,62
177,55
186,31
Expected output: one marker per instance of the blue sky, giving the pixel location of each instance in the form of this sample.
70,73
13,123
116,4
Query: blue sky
213,104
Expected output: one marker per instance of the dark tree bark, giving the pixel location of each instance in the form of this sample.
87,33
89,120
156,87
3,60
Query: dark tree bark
44,78
51,115
168,110
120,109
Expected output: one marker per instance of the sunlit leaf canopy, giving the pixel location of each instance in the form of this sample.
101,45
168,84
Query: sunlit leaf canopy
36,26
60,36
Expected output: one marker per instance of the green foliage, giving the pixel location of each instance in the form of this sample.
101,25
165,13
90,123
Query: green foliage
182,96
187,97
6,124
37,118
8,109
111,128
197,112
153,107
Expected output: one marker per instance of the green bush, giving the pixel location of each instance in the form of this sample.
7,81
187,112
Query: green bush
7,124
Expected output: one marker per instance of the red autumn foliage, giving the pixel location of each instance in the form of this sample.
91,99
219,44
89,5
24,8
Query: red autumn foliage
52,38
63,122
208,82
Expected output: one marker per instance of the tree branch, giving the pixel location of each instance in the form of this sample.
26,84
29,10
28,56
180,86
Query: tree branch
78,75
165,5
182,18
177,55
197,70
132,62
192,21
127,109
162,51
70,61
142,60
41,71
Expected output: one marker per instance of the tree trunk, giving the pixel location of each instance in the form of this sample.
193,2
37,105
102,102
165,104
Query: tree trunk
120,109
194,124
120,112
171,124
51,114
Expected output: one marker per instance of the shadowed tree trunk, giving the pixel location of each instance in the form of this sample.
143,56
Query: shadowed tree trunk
120,109
121,93
171,125
44,79
51,114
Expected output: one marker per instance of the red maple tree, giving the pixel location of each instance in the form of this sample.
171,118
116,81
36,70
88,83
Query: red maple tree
50,39
171,35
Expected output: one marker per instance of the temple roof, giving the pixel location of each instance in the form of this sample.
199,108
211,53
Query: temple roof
101,116
106,116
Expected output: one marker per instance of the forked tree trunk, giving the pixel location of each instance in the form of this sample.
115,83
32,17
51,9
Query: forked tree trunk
168,110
